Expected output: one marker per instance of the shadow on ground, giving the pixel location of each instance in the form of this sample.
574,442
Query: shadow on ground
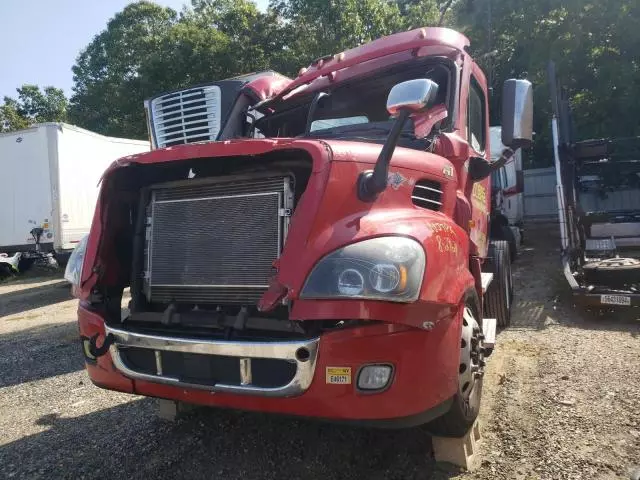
33,275
128,441
19,301
543,296
39,352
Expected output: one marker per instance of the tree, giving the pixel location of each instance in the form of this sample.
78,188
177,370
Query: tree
147,49
315,28
109,86
596,46
10,117
33,106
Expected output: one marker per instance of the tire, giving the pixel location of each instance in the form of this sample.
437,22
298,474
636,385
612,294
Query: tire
62,259
614,272
507,234
499,295
466,402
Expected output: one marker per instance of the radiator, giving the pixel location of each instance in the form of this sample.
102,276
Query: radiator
215,243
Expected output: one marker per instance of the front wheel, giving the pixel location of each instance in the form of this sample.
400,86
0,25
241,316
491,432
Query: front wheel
466,403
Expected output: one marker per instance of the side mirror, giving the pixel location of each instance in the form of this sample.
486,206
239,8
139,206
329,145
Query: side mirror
412,96
405,98
517,113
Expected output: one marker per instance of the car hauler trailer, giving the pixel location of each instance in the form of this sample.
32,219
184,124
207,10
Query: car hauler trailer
598,188
336,265
50,181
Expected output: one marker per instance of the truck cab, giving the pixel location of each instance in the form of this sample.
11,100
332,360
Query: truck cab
325,254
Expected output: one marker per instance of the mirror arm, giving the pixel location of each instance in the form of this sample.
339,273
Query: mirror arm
505,156
371,183
479,168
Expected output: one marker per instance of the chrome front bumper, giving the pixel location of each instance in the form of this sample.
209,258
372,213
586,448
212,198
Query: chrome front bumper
303,353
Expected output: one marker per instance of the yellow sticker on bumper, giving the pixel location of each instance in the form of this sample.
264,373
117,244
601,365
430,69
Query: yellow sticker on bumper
339,375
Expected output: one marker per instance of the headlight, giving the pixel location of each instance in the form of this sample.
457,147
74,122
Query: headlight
73,271
384,268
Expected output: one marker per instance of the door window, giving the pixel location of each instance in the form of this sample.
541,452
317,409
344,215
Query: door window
476,118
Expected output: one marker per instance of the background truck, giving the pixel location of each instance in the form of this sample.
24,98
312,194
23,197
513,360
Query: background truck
598,187
328,256
50,178
507,195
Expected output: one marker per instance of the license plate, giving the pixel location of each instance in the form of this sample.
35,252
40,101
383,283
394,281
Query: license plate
339,375
615,300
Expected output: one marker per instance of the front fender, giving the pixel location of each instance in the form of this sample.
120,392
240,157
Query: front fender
342,219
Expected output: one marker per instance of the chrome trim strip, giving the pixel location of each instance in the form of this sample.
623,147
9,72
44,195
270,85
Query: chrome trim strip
428,188
281,350
158,362
425,200
245,371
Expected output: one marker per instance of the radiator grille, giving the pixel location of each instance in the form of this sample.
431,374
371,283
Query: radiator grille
215,243
427,194
187,116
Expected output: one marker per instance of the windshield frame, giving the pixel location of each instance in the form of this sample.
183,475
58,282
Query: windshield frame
293,105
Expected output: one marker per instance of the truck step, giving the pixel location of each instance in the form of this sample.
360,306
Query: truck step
489,331
462,452
486,278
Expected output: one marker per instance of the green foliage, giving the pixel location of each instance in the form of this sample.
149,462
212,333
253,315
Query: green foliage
32,106
595,45
109,81
147,49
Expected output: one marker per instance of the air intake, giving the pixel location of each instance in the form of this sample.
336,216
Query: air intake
186,116
427,194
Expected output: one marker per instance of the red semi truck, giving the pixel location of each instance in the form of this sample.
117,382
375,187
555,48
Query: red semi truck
316,246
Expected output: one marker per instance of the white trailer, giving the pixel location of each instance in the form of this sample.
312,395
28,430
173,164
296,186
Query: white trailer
50,175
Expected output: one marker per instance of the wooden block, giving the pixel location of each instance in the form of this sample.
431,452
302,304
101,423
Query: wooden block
489,331
486,278
172,410
462,452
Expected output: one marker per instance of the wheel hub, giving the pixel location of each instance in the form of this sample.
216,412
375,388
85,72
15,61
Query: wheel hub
472,361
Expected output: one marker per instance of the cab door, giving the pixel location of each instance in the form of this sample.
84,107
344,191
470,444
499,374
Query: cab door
477,130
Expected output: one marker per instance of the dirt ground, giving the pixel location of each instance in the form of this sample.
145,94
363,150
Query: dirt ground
561,401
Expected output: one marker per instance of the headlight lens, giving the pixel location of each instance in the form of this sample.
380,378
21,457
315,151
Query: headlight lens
384,268
73,271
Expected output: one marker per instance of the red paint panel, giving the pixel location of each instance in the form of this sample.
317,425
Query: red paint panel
102,373
399,42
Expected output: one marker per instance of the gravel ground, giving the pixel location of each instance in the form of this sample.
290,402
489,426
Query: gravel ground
561,401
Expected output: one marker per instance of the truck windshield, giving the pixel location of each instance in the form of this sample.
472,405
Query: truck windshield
357,108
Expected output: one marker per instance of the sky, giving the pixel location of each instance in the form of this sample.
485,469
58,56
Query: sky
41,38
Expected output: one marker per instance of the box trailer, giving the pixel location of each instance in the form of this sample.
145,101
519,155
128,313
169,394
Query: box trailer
50,176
